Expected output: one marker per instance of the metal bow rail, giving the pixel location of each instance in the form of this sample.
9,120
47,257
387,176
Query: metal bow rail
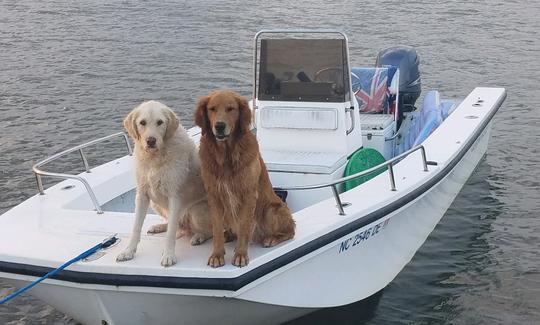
389,164
39,173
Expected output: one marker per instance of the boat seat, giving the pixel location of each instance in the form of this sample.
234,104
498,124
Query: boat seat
371,87
303,161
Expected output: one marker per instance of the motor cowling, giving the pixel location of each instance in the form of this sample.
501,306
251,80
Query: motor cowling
407,61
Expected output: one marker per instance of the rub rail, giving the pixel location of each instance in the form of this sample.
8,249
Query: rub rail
39,172
333,185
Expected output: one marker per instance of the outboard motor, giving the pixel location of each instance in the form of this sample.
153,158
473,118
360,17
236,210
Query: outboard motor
407,61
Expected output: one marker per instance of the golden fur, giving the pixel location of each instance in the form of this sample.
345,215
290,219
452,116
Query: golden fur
240,195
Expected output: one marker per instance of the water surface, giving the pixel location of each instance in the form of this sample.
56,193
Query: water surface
71,71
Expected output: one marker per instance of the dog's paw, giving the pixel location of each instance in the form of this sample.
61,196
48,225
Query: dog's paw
240,260
126,255
216,260
157,229
270,241
168,259
198,239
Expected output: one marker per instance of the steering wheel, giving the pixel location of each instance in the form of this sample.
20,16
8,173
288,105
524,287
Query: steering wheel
326,74
332,74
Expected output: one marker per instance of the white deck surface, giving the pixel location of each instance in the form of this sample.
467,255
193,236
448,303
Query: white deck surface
50,229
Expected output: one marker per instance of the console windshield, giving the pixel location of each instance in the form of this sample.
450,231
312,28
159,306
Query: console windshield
312,70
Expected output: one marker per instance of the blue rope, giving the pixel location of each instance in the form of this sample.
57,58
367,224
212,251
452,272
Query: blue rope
104,244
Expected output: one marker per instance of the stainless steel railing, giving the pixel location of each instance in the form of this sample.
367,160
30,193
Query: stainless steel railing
39,173
333,184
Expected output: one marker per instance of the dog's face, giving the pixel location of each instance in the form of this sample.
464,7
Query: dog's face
150,124
222,114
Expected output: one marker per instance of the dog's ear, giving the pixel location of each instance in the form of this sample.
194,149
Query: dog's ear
201,115
130,124
172,124
245,114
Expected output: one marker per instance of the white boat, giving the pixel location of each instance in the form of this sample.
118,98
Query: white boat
311,122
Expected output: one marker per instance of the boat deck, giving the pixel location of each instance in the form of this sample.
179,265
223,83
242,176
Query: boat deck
47,230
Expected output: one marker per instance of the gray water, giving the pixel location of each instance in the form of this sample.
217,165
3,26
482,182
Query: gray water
71,70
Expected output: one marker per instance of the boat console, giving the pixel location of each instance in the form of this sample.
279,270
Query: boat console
307,119
313,111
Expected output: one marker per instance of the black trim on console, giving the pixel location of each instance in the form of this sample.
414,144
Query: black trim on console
233,284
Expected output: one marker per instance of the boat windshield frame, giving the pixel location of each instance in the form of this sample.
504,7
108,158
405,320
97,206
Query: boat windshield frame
331,82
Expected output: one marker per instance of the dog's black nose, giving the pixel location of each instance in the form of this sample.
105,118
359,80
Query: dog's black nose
151,142
220,127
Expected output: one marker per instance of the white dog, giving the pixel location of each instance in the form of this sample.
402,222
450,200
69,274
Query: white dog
167,170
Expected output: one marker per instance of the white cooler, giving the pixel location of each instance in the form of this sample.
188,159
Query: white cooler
375,129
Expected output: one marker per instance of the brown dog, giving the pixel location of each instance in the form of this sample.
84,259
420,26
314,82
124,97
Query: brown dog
240,194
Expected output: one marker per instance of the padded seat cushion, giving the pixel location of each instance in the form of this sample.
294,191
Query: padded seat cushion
370,87
303,161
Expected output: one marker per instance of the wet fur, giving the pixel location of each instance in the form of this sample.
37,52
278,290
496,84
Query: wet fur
240,194
168,179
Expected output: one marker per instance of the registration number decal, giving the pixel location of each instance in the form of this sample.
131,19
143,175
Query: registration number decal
362,236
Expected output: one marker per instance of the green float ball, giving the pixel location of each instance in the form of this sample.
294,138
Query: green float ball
361,160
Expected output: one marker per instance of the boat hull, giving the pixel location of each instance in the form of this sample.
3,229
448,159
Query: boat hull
351,268
118,307
345,260
332,274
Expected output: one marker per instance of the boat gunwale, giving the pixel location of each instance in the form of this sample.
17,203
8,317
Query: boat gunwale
236,283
